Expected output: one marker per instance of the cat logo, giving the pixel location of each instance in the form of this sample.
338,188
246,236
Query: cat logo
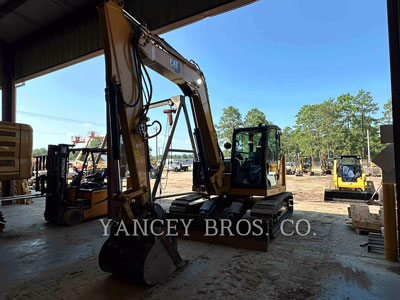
174,64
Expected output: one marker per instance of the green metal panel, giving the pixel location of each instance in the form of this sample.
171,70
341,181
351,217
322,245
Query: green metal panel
73,39
76,37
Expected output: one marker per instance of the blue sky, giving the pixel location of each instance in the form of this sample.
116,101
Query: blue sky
272,55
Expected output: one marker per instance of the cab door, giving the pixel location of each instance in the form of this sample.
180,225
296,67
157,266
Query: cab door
272,162
248,159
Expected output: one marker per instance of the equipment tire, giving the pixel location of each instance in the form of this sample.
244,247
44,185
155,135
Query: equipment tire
73,216
2,222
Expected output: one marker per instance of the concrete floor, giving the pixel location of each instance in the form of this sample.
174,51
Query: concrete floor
43,261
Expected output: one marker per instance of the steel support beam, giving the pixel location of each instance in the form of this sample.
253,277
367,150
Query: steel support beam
166,151
393,9
180,103
181,150
8,83
8,93
190,132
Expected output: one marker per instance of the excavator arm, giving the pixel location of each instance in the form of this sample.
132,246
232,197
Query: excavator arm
129,48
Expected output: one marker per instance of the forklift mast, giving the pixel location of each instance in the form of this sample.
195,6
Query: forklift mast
56,186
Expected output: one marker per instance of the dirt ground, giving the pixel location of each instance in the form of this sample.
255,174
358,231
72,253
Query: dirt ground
43,261
308,191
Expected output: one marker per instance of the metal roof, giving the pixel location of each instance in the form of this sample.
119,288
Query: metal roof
47,35
19,18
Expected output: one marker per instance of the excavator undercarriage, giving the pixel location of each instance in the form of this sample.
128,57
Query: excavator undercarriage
230,221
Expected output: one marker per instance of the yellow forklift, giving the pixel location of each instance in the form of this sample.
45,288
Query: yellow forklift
349,181
85,197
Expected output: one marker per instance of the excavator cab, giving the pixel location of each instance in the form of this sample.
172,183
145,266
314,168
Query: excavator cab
255,160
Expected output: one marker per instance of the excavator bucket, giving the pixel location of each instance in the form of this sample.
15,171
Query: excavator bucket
141,258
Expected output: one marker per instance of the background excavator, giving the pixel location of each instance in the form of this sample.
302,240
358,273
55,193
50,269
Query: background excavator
299,165
249,185
326,165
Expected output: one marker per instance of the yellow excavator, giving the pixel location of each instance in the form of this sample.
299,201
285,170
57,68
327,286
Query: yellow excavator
326,165
249,186
299,166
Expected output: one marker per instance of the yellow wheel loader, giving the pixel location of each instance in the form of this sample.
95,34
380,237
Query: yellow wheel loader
349,181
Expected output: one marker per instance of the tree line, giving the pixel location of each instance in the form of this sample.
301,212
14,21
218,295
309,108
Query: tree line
232,118
336,126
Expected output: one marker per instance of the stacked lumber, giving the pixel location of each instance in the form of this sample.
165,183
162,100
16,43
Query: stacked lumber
363,221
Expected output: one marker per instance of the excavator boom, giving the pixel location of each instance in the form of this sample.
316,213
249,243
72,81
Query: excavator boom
129,47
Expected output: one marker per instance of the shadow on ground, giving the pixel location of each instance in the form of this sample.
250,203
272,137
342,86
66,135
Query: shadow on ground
41,261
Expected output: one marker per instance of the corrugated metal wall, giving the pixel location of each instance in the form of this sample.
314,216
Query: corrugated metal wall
71,40
77,37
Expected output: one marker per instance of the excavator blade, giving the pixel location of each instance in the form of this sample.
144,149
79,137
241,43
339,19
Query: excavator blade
148,259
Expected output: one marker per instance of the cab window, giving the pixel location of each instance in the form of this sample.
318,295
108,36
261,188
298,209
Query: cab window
273,158
247,157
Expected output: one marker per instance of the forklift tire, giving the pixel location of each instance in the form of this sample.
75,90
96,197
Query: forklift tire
2,222
73,216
